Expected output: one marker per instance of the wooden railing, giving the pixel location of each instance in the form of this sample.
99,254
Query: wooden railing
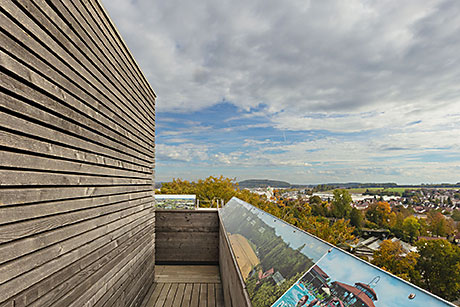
198,237
233,286
187,237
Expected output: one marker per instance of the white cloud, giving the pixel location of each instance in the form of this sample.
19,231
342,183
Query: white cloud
309,56
299,57
182,152
391,68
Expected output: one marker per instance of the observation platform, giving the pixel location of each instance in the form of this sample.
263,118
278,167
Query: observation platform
224,258
186,285
194,263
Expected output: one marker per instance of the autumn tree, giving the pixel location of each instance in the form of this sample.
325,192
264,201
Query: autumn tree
411,228
356,218
318,207
391,257
338,233
439,266
340,207
397,228
294,212
315,199
380,214
212,189
208,191
438,224
456,215
178,186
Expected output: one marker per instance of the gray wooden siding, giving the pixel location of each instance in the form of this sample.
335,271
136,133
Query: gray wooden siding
77,122
187,236
233,286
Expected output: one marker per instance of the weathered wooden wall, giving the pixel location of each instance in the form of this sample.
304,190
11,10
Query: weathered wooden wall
187,236
233,286
76,159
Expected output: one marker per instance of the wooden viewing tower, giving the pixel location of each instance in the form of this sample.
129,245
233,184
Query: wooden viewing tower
77,220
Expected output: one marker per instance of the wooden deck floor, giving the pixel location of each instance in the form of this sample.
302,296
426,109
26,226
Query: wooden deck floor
188,286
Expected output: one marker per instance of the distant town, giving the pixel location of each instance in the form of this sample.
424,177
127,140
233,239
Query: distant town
421,200
416,201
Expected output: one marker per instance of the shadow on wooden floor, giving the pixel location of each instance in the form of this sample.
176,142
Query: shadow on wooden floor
186,285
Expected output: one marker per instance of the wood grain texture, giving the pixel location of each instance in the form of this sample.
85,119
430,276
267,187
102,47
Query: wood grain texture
187,236
233,286
77,157
201,287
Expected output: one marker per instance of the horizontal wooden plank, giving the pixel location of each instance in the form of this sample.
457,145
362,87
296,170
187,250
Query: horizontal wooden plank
28,161
206,256
77,133
81,19
21,125
193,218
85,41
14,196
193,279
45,292
56,33
186,228
27,228
132,285
70,118
187,236
84,17
23,109
205,221
61,207
12,64
100,278
95,10
66,253
180,248
31,178
74,102
184,237
62,63
31,145
45,246
198,254
109,279
207,211
79,24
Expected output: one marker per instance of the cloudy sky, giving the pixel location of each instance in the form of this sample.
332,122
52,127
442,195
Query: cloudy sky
302,91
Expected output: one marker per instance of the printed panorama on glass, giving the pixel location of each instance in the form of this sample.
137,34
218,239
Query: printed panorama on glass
283,266
271,254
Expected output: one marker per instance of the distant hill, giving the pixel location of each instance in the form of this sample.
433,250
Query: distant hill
263,183
352,185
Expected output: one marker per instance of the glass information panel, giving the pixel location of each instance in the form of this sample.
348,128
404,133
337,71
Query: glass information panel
283,266
175,201
271,254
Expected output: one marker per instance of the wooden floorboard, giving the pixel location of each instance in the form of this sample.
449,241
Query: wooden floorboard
187,286
203,274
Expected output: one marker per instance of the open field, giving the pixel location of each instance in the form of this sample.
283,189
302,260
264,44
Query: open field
400,189
363,190
245,255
